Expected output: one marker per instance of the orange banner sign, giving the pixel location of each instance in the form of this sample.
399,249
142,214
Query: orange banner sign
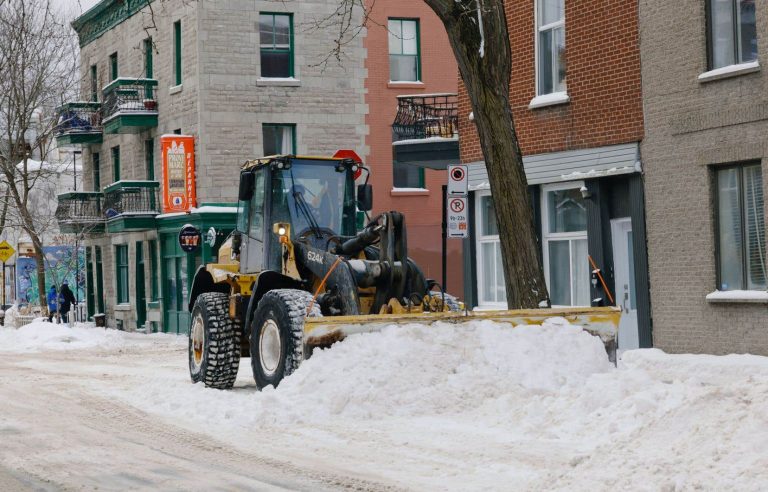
179,192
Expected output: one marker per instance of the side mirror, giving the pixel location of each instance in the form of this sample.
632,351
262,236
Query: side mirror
247,182
365,197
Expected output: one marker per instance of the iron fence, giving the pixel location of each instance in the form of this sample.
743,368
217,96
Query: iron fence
129,96
131,197
79,118
426,116
79,209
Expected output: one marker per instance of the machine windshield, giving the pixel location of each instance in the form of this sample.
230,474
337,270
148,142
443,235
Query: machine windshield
319,197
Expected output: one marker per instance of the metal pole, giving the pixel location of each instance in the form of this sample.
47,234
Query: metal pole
445,240
3,303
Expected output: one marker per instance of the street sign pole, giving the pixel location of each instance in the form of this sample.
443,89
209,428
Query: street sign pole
3,301
445,240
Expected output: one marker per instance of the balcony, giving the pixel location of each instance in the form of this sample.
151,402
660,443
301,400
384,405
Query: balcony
79,123
425,132
130,105
131,205
80,212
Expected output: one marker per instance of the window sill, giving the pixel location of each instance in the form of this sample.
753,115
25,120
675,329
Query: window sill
405,84
123,307
738,296
409,192
549,100
278,82
730,71
175,89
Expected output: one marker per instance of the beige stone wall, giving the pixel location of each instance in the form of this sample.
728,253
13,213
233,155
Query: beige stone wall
222,101
693,127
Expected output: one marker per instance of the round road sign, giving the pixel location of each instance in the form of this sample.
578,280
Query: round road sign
457,205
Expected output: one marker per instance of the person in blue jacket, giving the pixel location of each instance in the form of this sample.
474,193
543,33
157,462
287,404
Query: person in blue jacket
53,303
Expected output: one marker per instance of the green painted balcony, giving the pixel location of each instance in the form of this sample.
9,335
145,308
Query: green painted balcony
130,105
79,123
80,212
131,205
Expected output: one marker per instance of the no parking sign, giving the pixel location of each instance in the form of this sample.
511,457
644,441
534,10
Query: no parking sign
457,180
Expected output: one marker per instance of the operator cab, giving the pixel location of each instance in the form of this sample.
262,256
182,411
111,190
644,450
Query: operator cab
314,196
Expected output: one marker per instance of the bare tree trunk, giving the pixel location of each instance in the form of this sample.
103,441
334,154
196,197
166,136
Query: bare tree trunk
40,264
477,30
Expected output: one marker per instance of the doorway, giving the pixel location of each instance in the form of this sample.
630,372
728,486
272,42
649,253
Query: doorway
624,271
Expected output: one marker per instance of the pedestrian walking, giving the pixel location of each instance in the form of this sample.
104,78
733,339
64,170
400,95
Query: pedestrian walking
67,299
53,303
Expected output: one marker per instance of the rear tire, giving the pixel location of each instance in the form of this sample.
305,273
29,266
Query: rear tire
214,342
277,335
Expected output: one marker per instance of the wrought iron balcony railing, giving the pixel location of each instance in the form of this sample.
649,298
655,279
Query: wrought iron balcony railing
426,116
80,211
131,198
79,118
125,96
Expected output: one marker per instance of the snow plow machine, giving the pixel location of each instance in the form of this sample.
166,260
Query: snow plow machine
297,274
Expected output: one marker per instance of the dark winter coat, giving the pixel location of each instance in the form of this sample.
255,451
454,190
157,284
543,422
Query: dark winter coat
67,299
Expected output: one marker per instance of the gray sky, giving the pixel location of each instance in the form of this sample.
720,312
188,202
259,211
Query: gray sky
73,8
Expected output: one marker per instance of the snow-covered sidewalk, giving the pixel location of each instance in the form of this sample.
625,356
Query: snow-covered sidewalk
453,407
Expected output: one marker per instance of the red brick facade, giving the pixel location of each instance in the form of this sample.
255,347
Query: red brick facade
422,209
603,80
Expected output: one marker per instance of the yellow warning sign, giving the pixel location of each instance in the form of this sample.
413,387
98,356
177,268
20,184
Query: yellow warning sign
6,251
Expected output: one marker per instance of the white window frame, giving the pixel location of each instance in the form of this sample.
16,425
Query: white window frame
555,97
547,236
480,239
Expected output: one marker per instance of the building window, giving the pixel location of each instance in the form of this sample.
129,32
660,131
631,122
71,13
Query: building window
490,271
550,66
566,262
407,176
94,84
177,131
96,171
121,271
116,163
149,157
732,32
276,37
279,139
148,68
177,52
404,62
741,228
113,65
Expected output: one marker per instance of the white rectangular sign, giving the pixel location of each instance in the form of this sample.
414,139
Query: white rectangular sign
457,180
458,216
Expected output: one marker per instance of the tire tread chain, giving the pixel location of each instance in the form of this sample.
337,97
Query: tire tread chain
224,342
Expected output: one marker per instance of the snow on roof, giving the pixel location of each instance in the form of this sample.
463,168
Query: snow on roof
56,167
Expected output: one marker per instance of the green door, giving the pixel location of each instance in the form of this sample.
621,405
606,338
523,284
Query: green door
90,295
141,295
177,276
99,281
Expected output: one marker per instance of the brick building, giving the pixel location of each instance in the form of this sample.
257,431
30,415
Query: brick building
241,78
704,156
576,99
411,71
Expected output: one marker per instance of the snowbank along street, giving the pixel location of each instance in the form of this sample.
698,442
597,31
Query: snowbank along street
479,406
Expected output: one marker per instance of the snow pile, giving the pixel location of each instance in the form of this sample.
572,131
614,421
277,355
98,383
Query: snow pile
481,405
42,335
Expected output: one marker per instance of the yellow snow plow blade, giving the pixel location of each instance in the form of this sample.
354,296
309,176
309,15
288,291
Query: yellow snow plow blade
601,322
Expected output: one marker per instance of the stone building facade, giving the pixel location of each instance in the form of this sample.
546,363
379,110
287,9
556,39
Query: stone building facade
705,159
245,79
576,99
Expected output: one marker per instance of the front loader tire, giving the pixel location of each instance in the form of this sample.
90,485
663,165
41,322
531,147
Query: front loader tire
214,342
277,335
